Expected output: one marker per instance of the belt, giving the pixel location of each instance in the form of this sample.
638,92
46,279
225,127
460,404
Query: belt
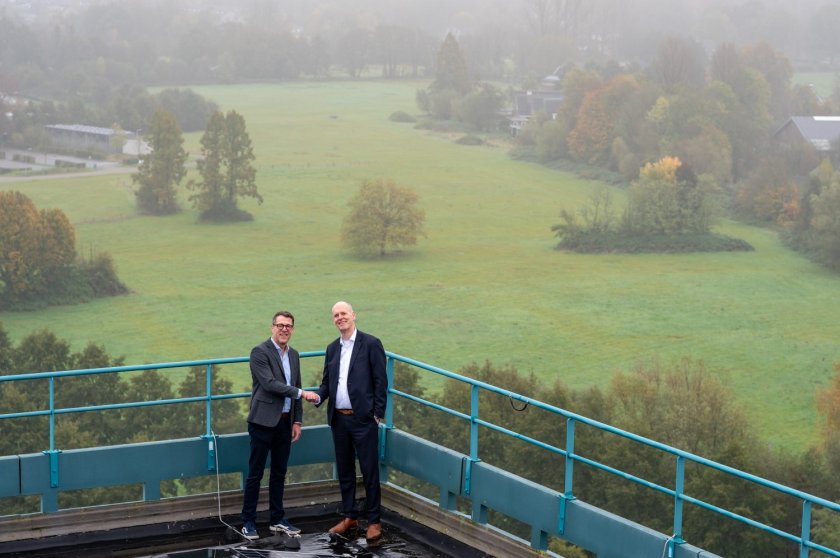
284,415
345,411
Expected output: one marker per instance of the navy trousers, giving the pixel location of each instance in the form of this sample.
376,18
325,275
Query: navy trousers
266,441
356,435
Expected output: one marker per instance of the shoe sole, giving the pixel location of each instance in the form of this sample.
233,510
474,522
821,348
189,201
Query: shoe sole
250,537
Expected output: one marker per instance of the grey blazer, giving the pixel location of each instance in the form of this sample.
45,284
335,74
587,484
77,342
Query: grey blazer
270,389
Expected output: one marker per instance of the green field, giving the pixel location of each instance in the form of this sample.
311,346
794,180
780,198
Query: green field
822,82
485,284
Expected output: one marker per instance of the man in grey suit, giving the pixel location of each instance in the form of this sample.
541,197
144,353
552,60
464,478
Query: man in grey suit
274,422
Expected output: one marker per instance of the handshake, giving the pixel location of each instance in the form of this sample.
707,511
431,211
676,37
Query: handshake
310,396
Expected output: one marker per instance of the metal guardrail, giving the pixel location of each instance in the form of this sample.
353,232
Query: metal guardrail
475,422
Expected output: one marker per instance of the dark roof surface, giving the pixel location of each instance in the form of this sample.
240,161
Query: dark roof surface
820,131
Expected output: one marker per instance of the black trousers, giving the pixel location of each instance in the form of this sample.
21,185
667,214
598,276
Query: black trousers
277,442
356,435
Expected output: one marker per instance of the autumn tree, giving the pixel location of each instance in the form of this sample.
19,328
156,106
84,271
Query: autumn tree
163,169
769,194
668,198
591,138
226,169
20,233
382,216
38,261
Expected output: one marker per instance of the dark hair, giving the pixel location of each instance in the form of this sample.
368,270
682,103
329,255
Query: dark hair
285,313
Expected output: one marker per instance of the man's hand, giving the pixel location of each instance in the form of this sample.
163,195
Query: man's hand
311,396
295,432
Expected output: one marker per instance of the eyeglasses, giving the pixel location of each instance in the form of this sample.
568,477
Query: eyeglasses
284,326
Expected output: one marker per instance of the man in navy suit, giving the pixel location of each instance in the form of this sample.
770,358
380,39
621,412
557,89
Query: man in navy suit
274,422
356,386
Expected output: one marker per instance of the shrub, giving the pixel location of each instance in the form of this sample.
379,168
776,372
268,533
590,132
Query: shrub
401,116
470,140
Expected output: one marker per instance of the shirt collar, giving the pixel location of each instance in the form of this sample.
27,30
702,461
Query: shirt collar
276,346
350,341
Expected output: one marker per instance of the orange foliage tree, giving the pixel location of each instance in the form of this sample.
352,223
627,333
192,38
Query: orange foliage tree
591,139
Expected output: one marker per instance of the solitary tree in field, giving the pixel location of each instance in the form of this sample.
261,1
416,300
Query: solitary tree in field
382,216
226,168
163,168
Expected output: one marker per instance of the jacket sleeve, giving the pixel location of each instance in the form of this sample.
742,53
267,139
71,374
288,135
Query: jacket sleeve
261,371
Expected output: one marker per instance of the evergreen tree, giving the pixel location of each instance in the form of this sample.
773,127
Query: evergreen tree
163,168
451,70
226,169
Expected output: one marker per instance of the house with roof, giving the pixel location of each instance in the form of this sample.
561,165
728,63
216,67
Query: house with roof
527,104
547,100
818,133
80,136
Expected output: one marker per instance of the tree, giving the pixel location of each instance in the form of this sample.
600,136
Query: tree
37,250
20,235
479,109
382,216
669,199
825,223
451,68
591,138
226,170
452,82
679,62
163,168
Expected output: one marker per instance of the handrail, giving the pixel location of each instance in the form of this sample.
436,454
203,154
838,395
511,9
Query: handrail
808,499
475,422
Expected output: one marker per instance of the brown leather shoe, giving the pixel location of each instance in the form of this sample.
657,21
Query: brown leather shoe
344,525
374,531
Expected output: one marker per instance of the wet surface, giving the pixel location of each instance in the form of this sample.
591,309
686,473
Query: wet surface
392,545
316,542
209,538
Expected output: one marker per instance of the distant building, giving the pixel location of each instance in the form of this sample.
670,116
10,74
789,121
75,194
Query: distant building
821,133
79,136
529,103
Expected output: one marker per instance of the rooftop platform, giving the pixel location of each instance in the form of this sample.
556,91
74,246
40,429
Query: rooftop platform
191,526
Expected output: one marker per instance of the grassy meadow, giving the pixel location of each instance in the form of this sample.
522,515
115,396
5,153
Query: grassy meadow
485,284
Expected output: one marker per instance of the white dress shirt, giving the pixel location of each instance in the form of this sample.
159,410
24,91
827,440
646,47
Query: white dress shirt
342,397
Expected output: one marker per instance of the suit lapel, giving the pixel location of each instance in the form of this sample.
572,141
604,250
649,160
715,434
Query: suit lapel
357,346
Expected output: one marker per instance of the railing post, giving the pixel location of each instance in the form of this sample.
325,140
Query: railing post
804,549
389,419
568,487
679,489
208,418
473,439
52,453
568,481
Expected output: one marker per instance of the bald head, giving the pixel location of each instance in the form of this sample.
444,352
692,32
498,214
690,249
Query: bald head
344,319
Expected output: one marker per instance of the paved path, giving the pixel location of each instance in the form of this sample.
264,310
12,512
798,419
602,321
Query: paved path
107,170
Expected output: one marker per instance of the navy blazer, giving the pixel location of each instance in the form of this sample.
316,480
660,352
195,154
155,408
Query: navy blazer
367,382
270,390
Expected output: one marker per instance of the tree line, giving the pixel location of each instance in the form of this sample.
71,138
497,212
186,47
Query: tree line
690,138
681,404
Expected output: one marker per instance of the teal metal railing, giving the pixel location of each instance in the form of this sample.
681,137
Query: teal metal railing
803,539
